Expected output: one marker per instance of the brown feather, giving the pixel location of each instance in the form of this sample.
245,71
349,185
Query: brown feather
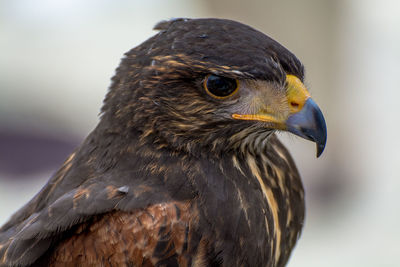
146,237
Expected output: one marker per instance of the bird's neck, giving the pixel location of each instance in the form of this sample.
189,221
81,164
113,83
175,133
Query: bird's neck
254,178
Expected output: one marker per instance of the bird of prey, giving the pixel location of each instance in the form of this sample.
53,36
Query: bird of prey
184,167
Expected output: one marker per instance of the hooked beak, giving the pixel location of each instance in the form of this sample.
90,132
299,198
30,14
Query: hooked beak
309,123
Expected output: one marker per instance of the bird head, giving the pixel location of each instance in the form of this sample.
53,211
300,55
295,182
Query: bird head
214,84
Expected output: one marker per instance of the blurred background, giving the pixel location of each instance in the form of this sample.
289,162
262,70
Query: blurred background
57,58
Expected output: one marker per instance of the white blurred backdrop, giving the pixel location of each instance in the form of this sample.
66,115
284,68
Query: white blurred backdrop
57,58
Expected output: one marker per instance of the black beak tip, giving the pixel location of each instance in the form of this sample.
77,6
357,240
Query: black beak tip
321,132
320,149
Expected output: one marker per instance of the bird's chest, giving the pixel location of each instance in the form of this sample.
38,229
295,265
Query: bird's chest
253,220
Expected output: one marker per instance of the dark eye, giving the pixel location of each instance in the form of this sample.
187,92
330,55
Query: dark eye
220,87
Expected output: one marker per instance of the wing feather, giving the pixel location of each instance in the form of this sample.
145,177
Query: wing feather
161,234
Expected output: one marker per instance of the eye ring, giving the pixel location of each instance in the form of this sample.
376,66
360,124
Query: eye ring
220,87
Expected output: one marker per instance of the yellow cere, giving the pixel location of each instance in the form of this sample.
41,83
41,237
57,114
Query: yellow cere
297,94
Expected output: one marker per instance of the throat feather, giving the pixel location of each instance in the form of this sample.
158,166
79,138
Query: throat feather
272,204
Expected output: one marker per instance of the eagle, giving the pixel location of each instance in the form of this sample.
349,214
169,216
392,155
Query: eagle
184,167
